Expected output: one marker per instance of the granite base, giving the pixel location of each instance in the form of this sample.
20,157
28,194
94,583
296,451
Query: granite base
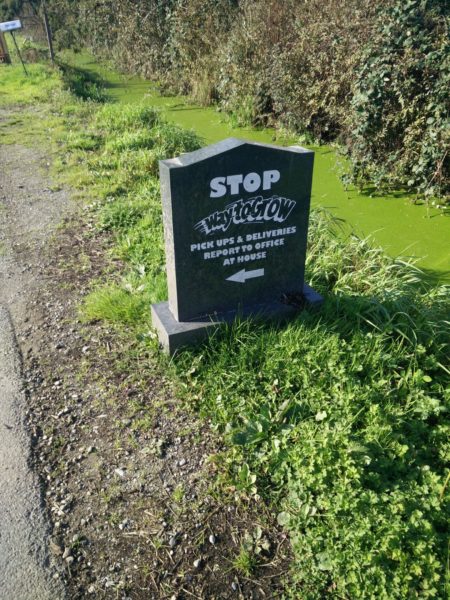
173,334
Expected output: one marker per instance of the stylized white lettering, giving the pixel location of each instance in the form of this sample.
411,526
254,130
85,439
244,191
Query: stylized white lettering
234,181
254,210
218,189
270,177
252,181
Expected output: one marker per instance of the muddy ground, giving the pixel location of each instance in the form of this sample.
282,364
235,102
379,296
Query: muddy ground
126,471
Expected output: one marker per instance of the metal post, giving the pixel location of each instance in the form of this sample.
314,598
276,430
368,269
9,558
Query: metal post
18,52
48,31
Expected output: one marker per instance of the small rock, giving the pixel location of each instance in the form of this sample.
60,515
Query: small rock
212,539
119,472
182,462
124,524
55,548
173,541
197,563
67,552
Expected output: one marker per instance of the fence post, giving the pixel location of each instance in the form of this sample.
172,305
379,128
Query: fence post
48,31
4,53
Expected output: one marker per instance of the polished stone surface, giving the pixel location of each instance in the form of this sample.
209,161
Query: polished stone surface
235,222
173,334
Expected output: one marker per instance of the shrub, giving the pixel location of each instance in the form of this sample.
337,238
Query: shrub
314,63
398,128
245,63
199,29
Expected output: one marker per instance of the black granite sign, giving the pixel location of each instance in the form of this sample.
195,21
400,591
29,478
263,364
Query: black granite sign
235,223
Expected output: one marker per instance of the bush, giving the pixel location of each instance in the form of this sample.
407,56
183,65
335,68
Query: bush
313,68
199,29
398,127
244,87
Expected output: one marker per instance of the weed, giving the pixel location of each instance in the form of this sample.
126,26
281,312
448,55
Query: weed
252,545
145,423
178,494
244,562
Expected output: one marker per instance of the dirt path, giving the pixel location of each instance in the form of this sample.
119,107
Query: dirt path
29,211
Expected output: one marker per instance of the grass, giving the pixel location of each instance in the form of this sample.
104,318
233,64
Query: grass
82,84
39,86
344,427
178,494
339,420
244,562
252,548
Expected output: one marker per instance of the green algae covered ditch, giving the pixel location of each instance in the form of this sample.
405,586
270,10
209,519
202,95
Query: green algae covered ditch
393,221
338,421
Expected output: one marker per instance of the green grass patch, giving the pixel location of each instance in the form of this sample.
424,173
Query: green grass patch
117,119
16,88
116,305
82,83
339,420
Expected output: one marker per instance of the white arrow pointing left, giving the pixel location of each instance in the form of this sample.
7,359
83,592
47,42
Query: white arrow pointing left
243,275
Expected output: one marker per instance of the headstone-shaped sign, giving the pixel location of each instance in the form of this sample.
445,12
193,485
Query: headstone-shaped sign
235,224
10,25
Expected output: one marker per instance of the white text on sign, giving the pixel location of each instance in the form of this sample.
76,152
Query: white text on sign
250,182
254,210
243,248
